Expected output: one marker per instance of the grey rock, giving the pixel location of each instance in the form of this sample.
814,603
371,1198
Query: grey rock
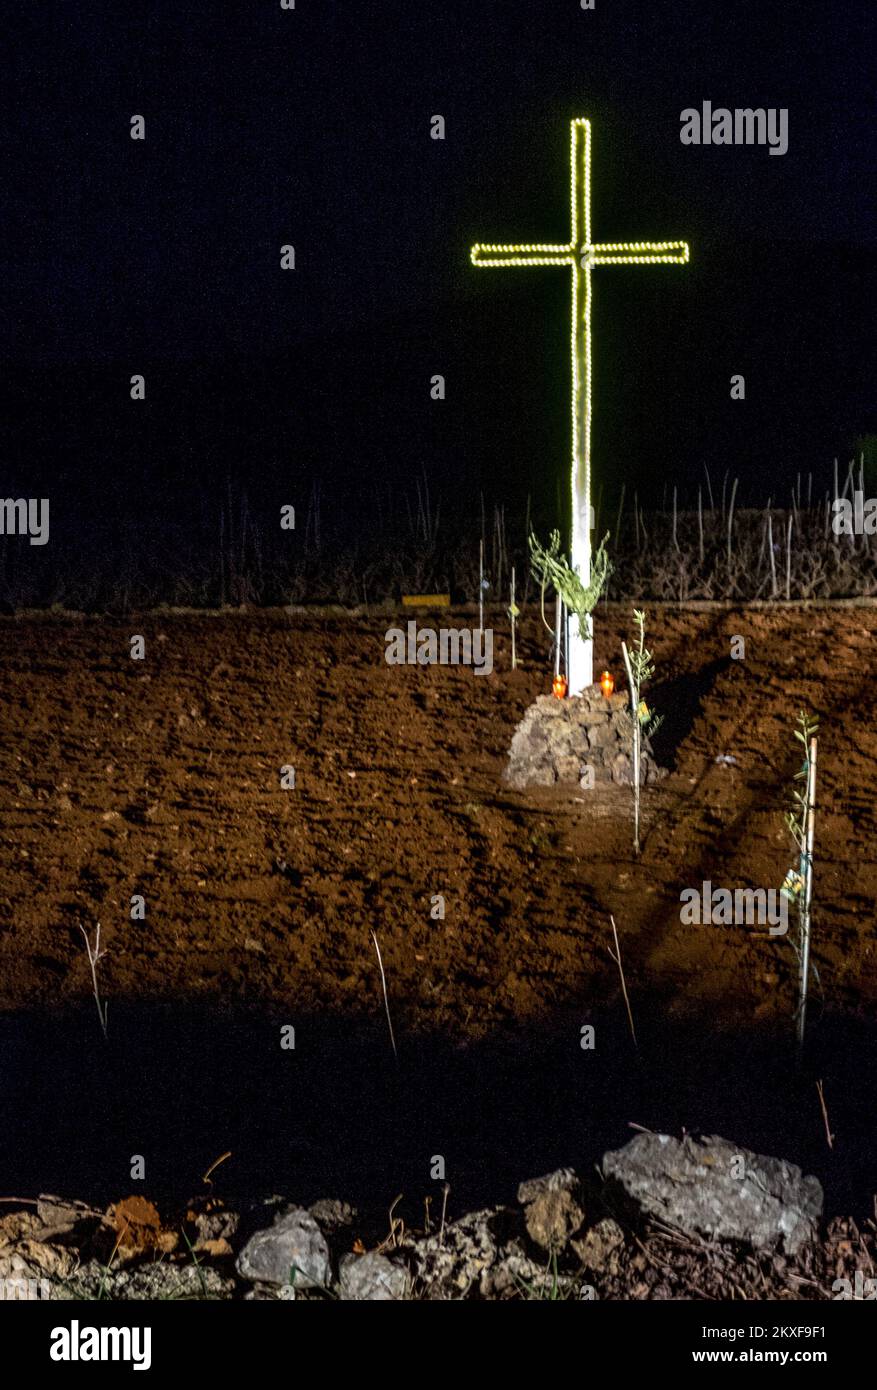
568,768
60,1218
292,1251
31,1269
552,708
333,1215
590,718
517,1275
216,1225
372,1278
695,1187
57,1212
553,1208
602,735
622,770
449,1265
540,777
151,1282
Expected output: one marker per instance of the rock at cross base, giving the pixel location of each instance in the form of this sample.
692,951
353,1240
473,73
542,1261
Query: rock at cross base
557,740
716,1189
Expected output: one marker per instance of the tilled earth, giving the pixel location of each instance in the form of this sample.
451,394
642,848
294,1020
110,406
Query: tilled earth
162,778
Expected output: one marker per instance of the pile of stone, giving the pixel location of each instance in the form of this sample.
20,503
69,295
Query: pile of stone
584,739
557,1240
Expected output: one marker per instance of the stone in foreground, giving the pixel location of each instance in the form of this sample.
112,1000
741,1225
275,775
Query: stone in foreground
716,1189
292,1251
553,1208
372,1278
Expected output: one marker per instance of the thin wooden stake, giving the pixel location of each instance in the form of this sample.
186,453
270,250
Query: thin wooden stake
95,956
849,478
616,956
808,890
731,517
828,1134
709,488
214,1165
634,713
618,518
386,1001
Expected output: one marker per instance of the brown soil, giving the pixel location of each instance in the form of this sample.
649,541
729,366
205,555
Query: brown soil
162,777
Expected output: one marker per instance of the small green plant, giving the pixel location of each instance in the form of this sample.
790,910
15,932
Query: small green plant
514,613
551,567
797,886
553,1287
640,669
643,667
538,842
205,1292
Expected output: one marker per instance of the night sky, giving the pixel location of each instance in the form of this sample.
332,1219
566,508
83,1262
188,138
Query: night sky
312,127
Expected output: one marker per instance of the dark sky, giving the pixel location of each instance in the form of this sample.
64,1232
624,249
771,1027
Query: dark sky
311,127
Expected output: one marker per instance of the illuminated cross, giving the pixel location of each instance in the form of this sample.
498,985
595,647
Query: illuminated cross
581,254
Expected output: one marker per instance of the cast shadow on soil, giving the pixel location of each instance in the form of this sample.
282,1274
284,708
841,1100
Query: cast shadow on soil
678,701
180,1084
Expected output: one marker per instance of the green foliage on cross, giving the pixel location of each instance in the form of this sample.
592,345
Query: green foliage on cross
551,567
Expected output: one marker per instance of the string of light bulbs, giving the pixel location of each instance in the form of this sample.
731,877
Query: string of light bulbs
581,254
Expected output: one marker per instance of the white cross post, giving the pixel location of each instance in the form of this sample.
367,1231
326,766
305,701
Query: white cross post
581,255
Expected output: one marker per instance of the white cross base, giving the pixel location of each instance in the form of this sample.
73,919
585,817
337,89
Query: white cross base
580,662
